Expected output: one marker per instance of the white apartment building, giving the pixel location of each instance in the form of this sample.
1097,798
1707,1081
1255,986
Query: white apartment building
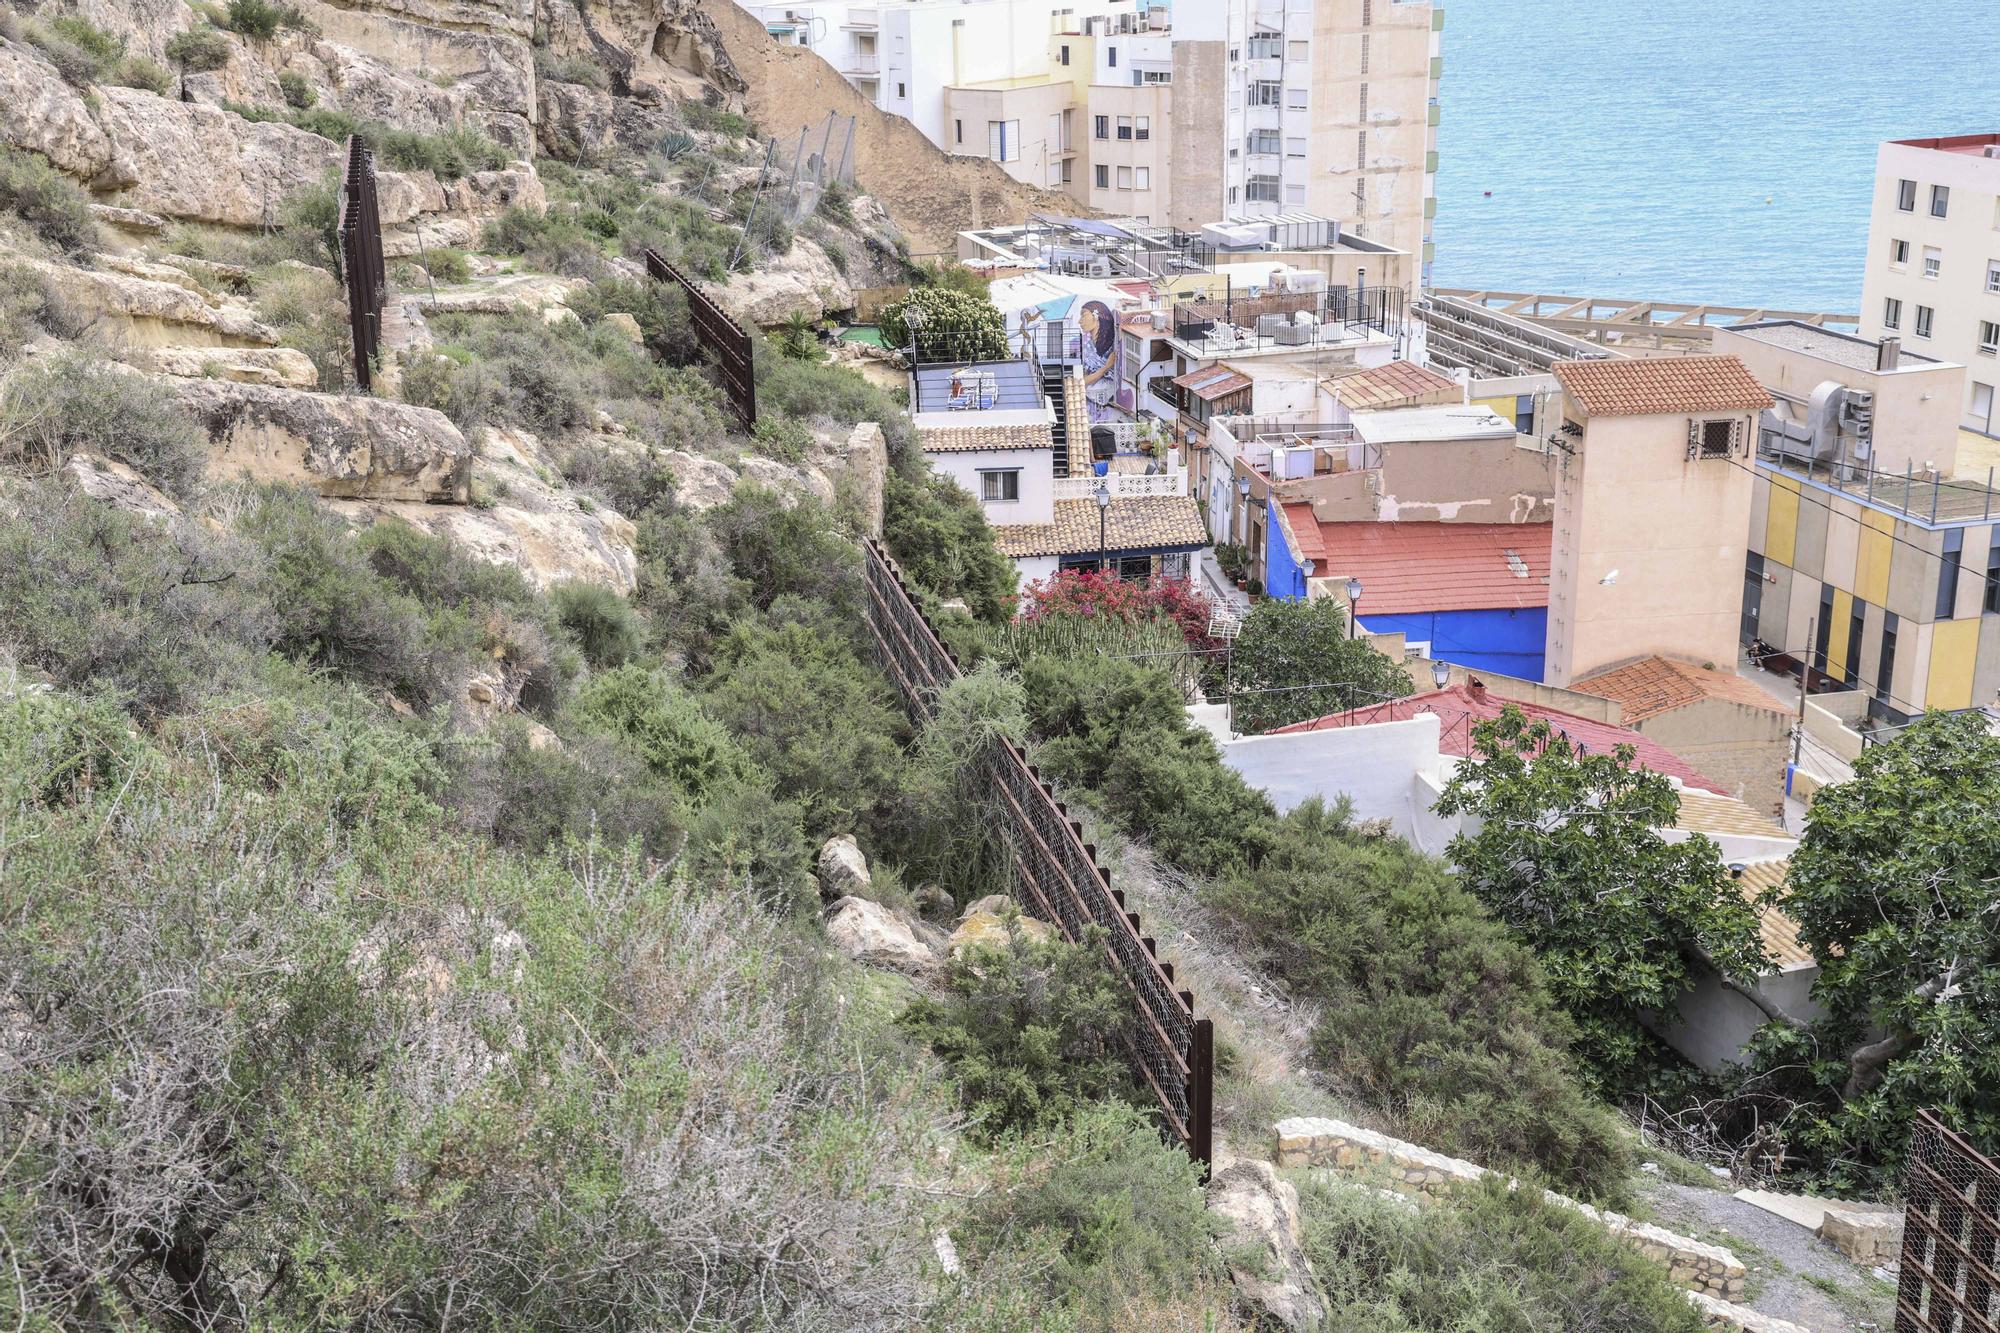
1230,108
1933,275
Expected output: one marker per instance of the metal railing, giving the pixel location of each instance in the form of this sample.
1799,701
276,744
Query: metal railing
1949,1275
1059,880
1926,498
358,236
1123,485
808,162
718,333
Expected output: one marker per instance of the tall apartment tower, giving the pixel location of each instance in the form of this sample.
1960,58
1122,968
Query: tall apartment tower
1933,275
1328,107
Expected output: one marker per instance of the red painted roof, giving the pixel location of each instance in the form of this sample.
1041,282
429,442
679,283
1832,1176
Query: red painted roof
1461,707
1305,530
1406,568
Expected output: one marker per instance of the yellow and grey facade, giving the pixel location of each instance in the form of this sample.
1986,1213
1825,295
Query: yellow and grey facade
1890,584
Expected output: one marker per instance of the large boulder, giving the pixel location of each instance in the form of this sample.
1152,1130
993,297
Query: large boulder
800,282
152,306
1263,1243
577,122
185,160
843,870
873,934
346,447
282,367
984,925
42,113
700,483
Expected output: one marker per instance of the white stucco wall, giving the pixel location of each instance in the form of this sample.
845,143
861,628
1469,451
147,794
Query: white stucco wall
1037,469
1388,771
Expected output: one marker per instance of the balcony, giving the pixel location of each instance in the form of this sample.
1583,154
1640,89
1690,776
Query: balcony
1124,485
864,64
867,19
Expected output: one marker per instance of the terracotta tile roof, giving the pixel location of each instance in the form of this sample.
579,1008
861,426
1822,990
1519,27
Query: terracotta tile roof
1410,567
1305,534
969,439
1460,707
1397,384
1652,386
1721,816
1212,382
1654,685
1779,932
1139,523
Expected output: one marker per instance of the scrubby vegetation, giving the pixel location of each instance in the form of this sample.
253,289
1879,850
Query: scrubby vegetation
48,201
448,155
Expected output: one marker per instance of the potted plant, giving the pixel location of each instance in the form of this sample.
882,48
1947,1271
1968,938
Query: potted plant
1255,589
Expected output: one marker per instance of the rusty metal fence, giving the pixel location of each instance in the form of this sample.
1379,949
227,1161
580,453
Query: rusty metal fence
1949,1278
719,334
1059,880
359,238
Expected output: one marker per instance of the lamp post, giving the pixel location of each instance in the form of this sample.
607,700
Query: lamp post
1440,672
1353,602
1243,495
1102,494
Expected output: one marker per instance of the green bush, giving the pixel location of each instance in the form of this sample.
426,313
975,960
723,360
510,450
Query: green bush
939,535
82,52
659,308
569,69
531,797
836,203
448,155
199,50
459,388
447,265
603,623
261,19
1490,1258
714,120
308,310
297,92
667,727
100,599
1295,661
45,199
76,404
1028,1029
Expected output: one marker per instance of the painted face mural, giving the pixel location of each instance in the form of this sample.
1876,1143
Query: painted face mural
1099,353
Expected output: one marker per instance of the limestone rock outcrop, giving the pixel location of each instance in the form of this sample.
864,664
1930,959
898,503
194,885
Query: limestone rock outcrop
803,282
281,367
1265,1243
165,307
873,934
42,113
843,870
984,925
185,160
345,447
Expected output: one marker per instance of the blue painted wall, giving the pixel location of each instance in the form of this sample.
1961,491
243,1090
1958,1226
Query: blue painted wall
1283,576
1508,642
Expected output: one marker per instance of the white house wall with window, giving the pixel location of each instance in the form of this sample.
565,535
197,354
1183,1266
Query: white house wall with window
1933,274
1010,470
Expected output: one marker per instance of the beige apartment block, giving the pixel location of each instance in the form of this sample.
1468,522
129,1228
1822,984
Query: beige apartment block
1933,276
1028,125
1372,156
1126,166
1654,482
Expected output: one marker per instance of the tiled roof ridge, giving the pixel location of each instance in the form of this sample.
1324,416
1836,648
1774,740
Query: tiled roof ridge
1656,386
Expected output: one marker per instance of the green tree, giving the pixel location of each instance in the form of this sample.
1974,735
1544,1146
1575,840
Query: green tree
950,325
1893,887
1294,661
1567,850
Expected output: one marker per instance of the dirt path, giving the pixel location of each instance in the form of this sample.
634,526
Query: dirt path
1792,1275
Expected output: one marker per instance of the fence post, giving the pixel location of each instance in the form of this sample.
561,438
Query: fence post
1201,1095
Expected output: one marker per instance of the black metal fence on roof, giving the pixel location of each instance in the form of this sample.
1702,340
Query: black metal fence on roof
359,241
1948,1278
1058,879
718,333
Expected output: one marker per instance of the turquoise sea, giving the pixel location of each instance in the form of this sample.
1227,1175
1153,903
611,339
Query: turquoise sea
1715,150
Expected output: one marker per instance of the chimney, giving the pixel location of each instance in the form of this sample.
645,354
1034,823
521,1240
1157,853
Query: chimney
1477,688
1890,354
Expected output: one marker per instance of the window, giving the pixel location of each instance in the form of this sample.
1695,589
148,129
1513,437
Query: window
1124,127
902,91
1360,149
1365,40
1524,414
1906,196
1111,56
1364,101
1296,51
1000,487
1003,140
1989,338
1993,275
1063,55
1264,92
1940,200
1899,253
1713,439
1857,629
1261,190
1885,665
958,131
1264,141
1992,599
1933,261
1295,99
1295,147
1924,316
1947,597
1100,126
1142,127
1892,313
1295,194
1266,47
1142,178
1124,178
1103,177
1982,407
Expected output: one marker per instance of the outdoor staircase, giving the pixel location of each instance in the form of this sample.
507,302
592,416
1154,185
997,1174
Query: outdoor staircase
1053,375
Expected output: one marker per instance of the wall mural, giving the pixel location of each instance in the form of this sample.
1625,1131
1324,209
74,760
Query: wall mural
1100,353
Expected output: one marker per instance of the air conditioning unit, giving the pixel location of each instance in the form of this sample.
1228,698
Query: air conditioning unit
1100,268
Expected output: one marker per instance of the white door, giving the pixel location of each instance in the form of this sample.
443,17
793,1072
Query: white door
1981,417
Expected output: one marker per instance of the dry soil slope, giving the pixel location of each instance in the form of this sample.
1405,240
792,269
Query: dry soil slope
931,194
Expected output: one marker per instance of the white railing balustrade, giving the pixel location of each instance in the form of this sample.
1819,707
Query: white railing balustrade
1124,485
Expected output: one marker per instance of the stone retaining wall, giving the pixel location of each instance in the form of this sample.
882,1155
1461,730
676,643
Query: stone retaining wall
1707,1269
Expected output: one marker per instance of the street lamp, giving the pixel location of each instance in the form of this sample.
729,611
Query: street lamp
1103,497
1440,672
1243,494
1353,601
